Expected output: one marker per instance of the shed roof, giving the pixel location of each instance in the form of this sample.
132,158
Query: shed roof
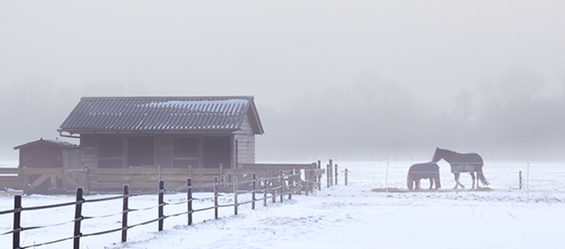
161,114
48,142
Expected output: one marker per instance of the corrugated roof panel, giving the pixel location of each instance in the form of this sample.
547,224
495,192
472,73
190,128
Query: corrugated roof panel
157,114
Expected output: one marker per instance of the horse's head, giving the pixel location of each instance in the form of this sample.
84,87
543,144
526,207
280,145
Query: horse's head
437,155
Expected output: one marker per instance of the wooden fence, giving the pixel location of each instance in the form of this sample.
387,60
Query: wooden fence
67,180
262,189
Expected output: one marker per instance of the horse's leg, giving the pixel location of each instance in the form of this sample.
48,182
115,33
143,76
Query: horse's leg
456,176
432,183
472,173
418,184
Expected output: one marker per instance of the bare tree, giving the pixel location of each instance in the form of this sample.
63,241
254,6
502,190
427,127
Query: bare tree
463,106
520,85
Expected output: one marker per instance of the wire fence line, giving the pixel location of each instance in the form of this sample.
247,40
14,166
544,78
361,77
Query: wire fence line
262,189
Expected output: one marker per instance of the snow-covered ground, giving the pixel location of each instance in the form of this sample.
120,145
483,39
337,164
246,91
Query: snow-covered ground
341,216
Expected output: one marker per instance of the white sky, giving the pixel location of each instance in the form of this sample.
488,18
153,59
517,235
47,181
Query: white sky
278,49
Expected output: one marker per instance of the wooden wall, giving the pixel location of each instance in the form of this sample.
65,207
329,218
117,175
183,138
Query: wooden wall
245,143
41,156
165,149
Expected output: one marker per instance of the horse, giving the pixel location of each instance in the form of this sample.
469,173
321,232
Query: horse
469,162
420,171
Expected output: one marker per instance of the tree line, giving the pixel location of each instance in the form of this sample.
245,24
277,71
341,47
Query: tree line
511,118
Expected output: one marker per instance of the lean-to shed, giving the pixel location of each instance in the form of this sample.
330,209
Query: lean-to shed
47,153
204,132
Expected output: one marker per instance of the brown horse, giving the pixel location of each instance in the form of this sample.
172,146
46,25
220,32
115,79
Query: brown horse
423,171
468,162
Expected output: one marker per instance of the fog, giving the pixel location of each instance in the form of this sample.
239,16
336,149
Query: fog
331,79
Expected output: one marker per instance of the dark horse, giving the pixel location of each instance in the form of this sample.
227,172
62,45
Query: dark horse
423,171
470,162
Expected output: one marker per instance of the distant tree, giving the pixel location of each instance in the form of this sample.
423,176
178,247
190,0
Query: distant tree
520,85
463,106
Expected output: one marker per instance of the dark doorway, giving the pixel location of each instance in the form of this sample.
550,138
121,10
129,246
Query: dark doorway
216,151
141,151
186,152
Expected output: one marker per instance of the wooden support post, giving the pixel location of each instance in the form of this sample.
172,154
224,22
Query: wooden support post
345,177
281,181
17,221
307,174
161,205
78,219
216,197
189,199
235,190
87,181
53,181
265,190
335,173
520,178
319,166
222,178
290,183
125,210
26,188
254,187
330,174
274,188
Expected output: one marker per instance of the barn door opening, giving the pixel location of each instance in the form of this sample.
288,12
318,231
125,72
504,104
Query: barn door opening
217,150
186,152
141,151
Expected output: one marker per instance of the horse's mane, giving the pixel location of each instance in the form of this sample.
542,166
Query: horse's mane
446,150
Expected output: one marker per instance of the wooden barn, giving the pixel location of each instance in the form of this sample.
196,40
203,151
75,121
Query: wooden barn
171,132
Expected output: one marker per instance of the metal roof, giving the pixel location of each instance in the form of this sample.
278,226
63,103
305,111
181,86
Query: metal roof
161,114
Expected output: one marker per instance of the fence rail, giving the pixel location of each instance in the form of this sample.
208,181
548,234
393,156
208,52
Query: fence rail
270,186
66,180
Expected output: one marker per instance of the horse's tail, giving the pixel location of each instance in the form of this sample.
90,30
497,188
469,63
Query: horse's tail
438,181
481,176
409,181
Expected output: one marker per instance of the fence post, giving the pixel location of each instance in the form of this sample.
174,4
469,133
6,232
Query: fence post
161,204
331,175
319,166
336,174
345,177
125,209
189,199
307,177
290,184
281,180
235,195
215,197
254,186
520,178
17,221
328,173
26,188
265,190
274,187
222,178
78,219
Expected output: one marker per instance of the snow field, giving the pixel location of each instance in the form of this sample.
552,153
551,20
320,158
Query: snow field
341,216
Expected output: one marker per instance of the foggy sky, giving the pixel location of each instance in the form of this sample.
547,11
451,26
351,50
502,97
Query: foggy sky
281,52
